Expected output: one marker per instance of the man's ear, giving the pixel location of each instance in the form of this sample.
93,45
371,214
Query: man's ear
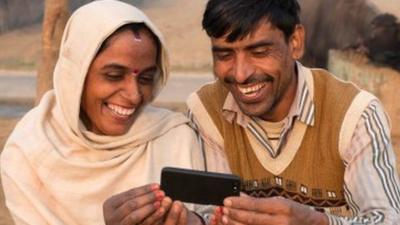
296,42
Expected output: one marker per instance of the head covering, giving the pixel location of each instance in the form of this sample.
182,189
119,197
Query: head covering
55,171
84,33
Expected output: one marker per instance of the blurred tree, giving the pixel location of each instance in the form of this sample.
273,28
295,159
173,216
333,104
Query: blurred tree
56,13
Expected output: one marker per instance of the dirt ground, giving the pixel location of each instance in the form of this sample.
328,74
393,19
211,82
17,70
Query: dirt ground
6,126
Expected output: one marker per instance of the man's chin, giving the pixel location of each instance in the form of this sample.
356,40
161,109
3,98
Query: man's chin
253,110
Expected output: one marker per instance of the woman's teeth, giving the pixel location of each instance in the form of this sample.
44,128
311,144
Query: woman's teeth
251,89
120,110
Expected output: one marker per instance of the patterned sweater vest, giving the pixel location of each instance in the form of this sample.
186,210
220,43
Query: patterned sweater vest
315,175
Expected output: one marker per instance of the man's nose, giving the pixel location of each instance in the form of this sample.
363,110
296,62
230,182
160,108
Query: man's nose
131,90
243,68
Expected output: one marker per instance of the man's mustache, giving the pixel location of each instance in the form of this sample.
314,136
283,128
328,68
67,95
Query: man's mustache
256,78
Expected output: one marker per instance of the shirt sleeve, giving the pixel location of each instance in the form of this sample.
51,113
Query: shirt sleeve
371,181
212,148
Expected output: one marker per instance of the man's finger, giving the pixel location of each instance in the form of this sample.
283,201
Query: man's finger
247,217
216,217
262,205
229,221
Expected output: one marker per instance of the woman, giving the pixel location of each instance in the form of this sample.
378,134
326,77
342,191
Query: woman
94,136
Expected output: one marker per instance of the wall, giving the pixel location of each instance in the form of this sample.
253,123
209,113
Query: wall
383,82
333,24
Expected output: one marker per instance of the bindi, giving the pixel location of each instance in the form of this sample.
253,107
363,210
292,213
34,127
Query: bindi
135,72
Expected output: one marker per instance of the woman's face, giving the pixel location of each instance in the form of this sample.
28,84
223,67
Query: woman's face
120,81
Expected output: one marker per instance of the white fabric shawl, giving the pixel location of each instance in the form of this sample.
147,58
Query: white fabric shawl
53,170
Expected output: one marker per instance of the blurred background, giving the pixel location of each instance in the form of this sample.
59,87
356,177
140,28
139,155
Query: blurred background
357,40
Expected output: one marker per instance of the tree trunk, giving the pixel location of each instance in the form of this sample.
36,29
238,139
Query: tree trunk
56,14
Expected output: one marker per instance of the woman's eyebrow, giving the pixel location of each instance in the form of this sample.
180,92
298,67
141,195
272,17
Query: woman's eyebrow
150,68
114,66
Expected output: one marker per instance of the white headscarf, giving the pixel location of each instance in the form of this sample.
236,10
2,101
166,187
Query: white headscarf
56,171
84,33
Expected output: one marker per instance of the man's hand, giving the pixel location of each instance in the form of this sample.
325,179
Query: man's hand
216,218
269,211
144,205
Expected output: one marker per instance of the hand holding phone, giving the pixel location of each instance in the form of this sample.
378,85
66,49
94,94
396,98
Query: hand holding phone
199,187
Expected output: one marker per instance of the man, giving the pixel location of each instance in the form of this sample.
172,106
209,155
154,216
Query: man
316,149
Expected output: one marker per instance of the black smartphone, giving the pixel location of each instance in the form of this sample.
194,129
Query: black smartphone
198,187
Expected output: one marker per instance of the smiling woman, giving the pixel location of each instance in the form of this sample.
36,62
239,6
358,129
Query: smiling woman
121,80
94,139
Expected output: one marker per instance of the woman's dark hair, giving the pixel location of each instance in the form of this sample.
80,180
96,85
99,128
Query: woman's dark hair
238,18
135,28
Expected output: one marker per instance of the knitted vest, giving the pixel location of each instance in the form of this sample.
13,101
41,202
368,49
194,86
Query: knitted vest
315,176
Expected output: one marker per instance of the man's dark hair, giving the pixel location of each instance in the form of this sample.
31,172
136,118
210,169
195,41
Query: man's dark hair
238,18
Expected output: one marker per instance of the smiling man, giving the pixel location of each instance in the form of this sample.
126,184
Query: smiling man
316,149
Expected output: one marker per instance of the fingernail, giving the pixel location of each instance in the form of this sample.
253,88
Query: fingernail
160,195
225,211
228,202
242,194
155,187
178,203
177,206
166,201
224,219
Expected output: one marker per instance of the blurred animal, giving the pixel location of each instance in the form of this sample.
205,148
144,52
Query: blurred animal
383,41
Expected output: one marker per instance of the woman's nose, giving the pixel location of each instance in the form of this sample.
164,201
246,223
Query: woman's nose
131,90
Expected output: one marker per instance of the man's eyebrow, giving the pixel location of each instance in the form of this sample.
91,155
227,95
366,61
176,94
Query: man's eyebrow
262,43
220,49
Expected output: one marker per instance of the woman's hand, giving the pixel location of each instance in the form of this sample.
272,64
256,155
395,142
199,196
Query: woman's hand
147,205
179,215
144,205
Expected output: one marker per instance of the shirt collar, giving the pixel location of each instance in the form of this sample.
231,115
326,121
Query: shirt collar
302,109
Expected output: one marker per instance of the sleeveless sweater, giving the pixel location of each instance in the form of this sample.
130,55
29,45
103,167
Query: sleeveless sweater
315,176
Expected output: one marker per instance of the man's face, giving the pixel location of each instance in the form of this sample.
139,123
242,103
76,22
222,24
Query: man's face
259,70
119,82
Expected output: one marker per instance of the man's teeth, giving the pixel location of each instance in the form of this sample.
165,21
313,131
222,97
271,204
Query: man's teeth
252,89
121,110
